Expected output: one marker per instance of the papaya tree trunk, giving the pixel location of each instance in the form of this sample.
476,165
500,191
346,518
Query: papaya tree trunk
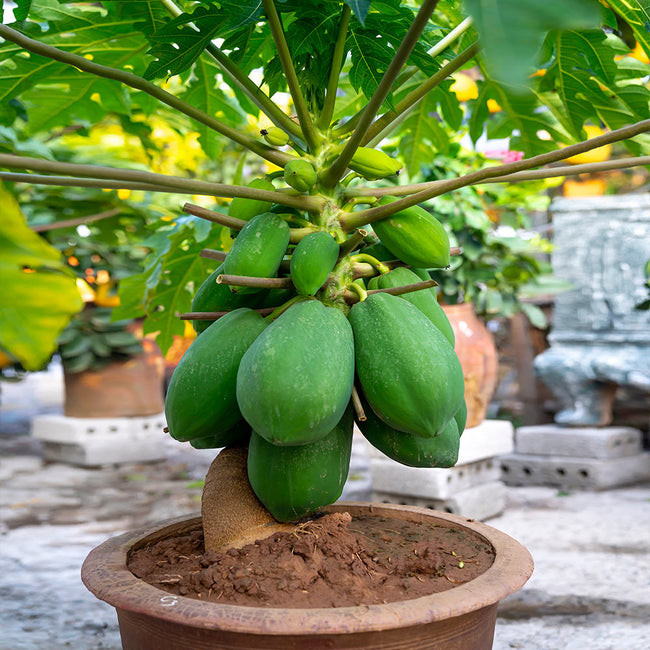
232,515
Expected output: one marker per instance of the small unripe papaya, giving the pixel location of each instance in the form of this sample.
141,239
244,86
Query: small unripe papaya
275,136
312,260
373,164
246,209
300,175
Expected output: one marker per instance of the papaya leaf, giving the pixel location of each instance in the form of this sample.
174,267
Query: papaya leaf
637,15
22,9
359,8
512,31
182,270
180,42
39,293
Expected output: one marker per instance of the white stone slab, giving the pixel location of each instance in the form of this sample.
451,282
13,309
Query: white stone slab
479,502
578,442
100,441
561,471
431,483
490,438
63,429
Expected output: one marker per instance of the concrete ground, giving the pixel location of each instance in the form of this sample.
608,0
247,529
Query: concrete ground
590,589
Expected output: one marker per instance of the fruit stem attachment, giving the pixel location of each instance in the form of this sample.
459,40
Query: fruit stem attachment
380,267
251,281
352,242
278,311
358,406
357,291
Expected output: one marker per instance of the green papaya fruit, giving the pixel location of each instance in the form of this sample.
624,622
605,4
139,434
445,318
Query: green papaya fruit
461,417
201,399
246,209
424,299
293,482
312,261
373,283
300,175
374,164
211,296
414,236
379,252
407,449
258,249
295,381
276,297
275,136
238,434
408,370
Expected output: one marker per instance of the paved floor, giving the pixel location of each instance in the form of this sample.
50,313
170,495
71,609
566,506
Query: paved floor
590,589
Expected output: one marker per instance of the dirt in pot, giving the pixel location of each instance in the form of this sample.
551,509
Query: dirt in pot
333,560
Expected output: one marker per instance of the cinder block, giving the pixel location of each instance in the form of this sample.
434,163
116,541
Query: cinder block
100,441
578,442
560,471
431,483
479,502
490,438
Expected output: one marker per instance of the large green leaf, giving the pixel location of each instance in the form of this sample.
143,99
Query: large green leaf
39,295
637,15
513,30
57,94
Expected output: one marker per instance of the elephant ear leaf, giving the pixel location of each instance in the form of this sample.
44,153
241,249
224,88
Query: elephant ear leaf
39,293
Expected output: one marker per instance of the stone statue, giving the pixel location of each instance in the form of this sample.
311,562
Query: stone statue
599,341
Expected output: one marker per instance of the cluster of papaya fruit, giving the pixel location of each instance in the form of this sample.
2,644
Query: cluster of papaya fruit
278,370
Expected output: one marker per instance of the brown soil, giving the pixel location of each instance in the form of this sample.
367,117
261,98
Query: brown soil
329,561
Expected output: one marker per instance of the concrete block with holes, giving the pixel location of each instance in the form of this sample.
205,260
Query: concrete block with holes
578,442
92,442
477,502
566,472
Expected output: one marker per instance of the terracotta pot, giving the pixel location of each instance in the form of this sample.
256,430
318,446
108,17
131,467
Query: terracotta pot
461,618
122,389
478,356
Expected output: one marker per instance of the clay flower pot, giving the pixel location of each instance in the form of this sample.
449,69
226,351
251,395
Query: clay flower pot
462,617
478,357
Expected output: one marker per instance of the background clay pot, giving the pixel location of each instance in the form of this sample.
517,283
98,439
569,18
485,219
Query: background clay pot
122,389
462,617
478,357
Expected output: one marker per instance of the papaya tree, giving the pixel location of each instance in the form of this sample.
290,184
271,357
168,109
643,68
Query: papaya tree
323,310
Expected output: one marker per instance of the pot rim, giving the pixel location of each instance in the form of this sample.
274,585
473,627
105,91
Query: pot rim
105,574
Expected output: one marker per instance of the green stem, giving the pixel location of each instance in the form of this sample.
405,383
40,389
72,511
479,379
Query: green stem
356,290
439,47
278,311
277,31
380,267
158,182
246,85
335,70
68,223
134,81
358,219
531,175
215,315
332,175
382,126
251,281
352,242
210,254
407,288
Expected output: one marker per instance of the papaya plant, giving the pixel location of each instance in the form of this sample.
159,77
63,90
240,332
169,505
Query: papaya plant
303,327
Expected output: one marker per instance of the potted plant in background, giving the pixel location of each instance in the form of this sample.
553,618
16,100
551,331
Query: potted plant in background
287,364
